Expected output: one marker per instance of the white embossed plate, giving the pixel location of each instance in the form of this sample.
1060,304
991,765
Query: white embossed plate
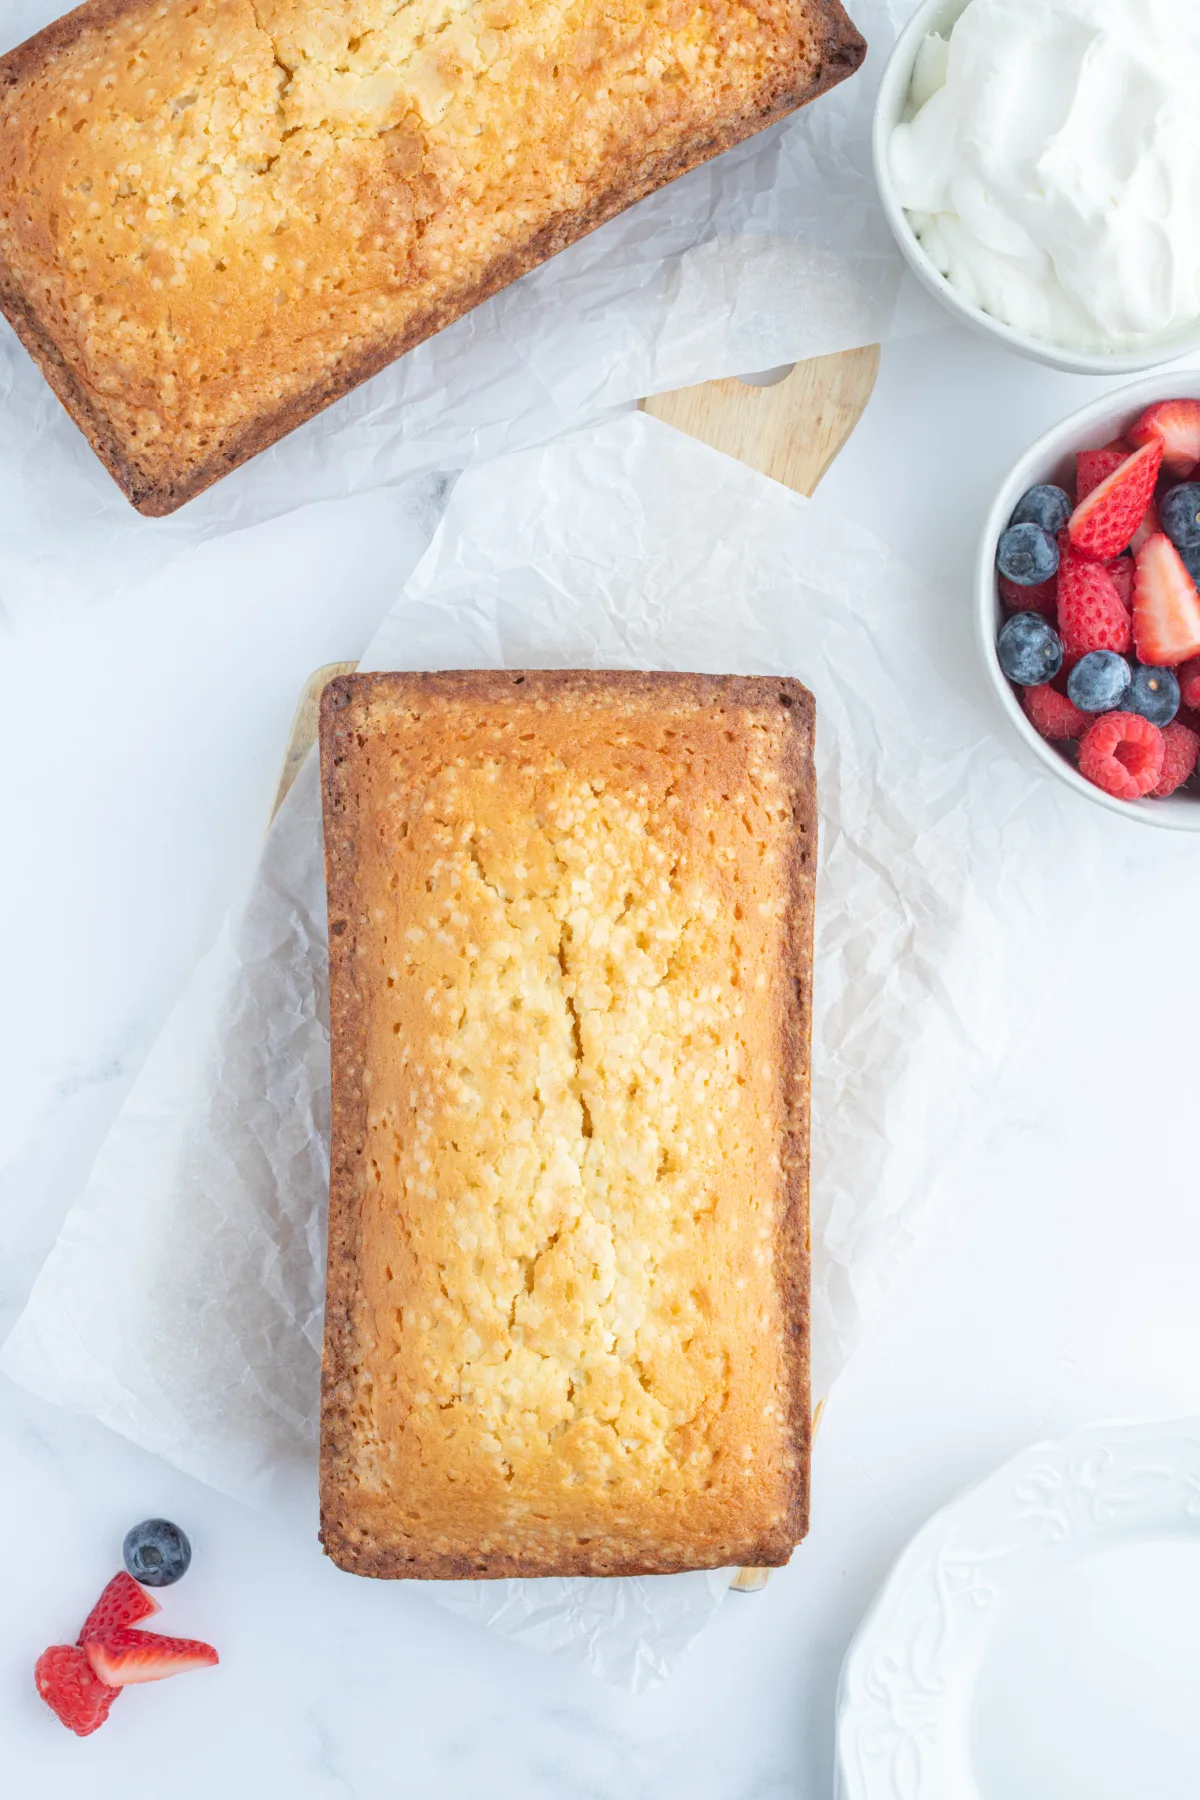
1040,1638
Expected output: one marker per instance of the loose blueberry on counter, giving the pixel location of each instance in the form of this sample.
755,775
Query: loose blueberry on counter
157,1553
1030,650
1099,681
1044,505
1154,693
1179,515
1027,554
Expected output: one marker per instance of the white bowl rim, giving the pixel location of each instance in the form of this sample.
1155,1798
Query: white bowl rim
1178,812
889,106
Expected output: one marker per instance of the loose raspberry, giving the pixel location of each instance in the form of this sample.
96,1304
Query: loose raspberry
1091,615
1102,525
67,1683
1189,681
1094,466
1043,598
1052,715
1123,754
1181,750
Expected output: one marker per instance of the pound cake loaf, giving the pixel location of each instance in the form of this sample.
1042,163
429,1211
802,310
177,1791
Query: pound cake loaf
217,216
570,923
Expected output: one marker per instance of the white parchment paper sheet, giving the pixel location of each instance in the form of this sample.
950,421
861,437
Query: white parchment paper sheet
775,251
182,1303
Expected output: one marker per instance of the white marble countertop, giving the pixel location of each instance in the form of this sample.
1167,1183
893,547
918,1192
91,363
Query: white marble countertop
1057,1284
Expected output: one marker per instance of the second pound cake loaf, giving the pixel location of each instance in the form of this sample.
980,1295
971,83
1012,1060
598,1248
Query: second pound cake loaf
571,944
216,216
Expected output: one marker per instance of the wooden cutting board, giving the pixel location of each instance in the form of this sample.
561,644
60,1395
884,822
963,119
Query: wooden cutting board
790,430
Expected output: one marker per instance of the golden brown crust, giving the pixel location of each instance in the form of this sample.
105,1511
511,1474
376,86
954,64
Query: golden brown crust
170,464
368,1490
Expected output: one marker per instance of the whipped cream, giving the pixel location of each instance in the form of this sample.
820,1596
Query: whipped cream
1050,165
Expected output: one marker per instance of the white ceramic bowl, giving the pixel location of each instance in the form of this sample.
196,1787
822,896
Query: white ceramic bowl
1052,458
939,15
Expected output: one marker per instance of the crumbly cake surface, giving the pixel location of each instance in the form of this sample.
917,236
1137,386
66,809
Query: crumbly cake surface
570,936
218,215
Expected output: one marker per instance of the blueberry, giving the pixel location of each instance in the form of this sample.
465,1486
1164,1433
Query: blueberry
1190,558
1044,505
157,1552
1179,512
1027,555
1029,650
1154,693
1099,681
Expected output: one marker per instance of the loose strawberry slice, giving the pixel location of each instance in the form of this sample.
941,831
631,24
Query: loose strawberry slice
123,1602
68,1683
1149,527
123,1657
1091,615
1176,425
1121,570
1166,606
1094,466
1102,525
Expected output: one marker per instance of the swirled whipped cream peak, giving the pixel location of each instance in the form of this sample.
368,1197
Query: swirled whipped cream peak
1049,163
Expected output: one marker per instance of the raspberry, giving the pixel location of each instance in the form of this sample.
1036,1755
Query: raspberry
1052,715
1123,754
1189,681
1181,749
1043,598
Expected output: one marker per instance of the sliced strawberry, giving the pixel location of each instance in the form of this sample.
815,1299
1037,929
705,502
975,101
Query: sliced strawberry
1166,606
1149,526
1102,525
124,1656
68,1683
123,1602
1043,598
1176,425
1121,570
1094,466
1091,615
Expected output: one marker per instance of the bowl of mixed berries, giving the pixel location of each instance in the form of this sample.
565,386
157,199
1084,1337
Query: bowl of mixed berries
1088,604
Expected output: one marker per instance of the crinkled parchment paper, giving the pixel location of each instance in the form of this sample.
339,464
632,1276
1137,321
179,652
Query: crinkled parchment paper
775,251
182,1303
